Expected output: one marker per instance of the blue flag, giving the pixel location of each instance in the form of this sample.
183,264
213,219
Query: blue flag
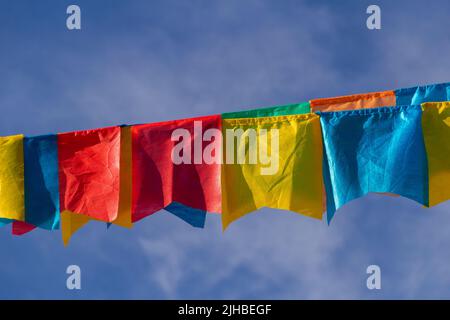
41,181
194,217
373,150
417,95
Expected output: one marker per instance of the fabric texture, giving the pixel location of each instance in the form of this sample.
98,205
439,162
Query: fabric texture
354,102
41,185
41,181
430,93
89,177
436,132
89,174
189,188
295,183
12,203
74,222
373,150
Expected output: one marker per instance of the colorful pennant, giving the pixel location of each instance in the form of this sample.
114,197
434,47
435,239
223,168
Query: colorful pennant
12,205
176,165
234,163
436,132
41,185
373,150
272,168
89,177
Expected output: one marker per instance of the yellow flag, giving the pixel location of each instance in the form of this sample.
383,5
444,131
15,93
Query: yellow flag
436,132
124,215
12,178
72,222
273,162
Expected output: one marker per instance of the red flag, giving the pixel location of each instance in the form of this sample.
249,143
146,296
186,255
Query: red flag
176,161
20,227
89,164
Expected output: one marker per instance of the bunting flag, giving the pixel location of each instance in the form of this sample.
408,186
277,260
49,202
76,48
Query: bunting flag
406,96
436,132
354,102
41,184
289,157
12,205
284,110
414,95
19,228
75,222
176,165
290,109
273,162
420,94
373,150
89,177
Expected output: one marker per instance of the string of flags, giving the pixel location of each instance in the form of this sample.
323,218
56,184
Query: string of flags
310,158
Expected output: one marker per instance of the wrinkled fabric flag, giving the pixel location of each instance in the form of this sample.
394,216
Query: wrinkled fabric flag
75,222
290,109
430,93
12,204
176,165
283,110
373,150
89,177
273,162
354,102
436,132
407,96
41,184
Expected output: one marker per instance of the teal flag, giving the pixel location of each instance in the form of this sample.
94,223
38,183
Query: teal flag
290,109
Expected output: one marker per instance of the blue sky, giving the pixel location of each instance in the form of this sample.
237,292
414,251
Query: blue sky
147,61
